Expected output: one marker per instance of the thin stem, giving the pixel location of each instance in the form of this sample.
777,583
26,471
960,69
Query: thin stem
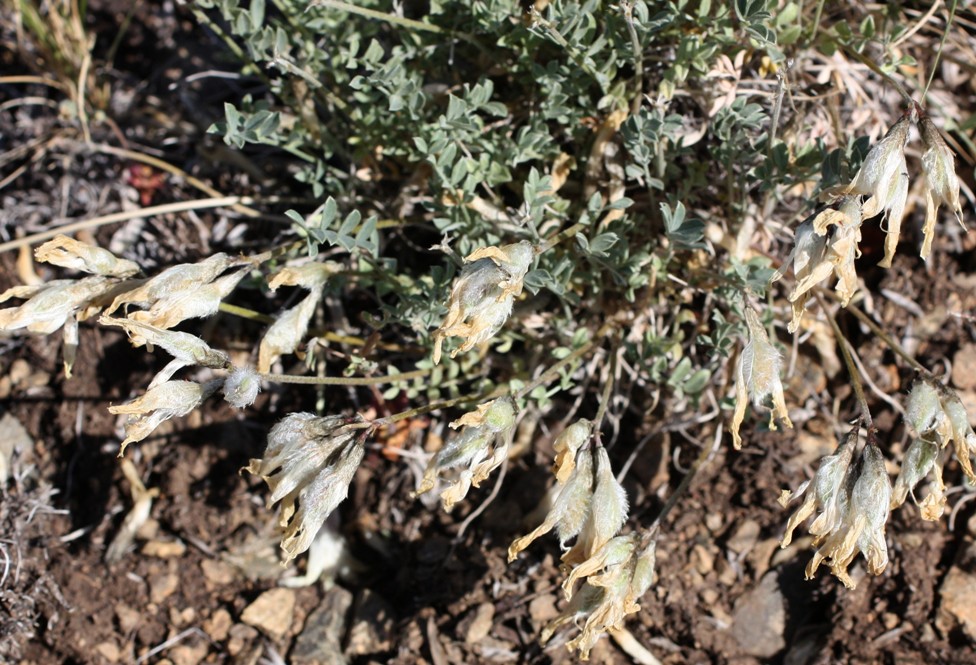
897,348
345,380
849,362
607,393
433,406
39,80
938,54
816,20
554,240
873,66
199,204
388,18
251,315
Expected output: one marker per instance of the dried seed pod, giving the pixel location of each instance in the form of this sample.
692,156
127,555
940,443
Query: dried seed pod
70,253
287,332
757,379
193,300
483,295
480,448
241,387
854,499
569,441
615,579
309,463
182,278
185,348
167,400
607,514
570,507
884,178
942,184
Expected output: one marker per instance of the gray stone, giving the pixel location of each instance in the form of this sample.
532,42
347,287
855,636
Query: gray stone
320,642
759,619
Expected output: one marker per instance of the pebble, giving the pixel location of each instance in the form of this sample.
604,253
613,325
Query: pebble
703,558
216,573
272,612
218,625
162,586
129,618
320,642
109,651
964,367
164,549
543,609
185,654
477,624
745,537
241,637
759,619
956,607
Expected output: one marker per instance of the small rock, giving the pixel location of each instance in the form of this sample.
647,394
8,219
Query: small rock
745,537
216,573
703,559
476,626
543,609
272,613
709,596
128,618
162,586
372,625
761,555
964,367
180,618
109,651
185,654
218,625
759,619
241,637
320,642
957,593
713,522
164,549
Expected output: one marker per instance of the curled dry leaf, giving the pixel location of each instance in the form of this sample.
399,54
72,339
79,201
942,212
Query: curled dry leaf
142,500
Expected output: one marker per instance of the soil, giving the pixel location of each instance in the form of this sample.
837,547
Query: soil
408,588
